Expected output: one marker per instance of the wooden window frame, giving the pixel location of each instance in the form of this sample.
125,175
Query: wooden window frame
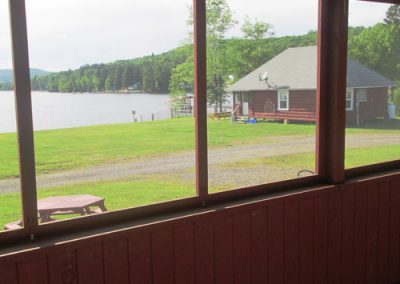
330,141
351,90
279,94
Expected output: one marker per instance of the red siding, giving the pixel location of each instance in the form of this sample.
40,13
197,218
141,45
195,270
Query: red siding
8,273
302,101
346,234
263,102
302,105
140,259
90,263
375,106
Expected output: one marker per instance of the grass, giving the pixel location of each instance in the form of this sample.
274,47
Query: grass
118,195
63,149
126,194
355,157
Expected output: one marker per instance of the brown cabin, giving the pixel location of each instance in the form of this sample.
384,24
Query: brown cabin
339,226
285,88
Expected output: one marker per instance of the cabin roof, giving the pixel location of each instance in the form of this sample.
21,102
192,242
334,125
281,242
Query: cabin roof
296,68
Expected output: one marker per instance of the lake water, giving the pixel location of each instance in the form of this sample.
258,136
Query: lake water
63,110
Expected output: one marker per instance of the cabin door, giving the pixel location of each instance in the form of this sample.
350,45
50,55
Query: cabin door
245,104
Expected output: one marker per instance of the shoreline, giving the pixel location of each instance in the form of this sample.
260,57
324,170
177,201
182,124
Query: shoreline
111,93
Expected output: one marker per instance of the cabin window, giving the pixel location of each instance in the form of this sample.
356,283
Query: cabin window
238,98
283,99
362,95
349,99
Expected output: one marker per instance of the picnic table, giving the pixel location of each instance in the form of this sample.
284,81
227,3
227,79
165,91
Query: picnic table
71,204
63,205
219,115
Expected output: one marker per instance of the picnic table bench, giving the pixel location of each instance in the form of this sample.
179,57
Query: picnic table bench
219,115
64,205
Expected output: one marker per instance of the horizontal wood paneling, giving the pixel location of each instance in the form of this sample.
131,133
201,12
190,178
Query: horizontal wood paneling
302,105
303,100
350,234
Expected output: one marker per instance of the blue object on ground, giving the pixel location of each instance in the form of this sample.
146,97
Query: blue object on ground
251,121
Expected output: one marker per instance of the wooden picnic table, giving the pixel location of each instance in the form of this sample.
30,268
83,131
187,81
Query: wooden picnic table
71,204
63,205
219,115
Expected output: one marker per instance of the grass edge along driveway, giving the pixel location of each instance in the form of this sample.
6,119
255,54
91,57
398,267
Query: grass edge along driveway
72,148
63,149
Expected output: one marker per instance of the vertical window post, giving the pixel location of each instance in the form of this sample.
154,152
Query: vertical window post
331,90
23,104
200,94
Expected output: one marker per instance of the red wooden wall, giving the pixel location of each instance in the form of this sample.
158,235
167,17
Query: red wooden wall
348,234
376,106
302,105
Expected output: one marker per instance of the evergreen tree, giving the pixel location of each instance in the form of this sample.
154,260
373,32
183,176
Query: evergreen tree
393,15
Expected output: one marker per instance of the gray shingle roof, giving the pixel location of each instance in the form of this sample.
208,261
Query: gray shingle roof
296,68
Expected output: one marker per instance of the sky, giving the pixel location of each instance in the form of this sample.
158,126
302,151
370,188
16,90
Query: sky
66,34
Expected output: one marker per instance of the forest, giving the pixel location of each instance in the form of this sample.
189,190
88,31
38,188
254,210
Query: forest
228,59
152,74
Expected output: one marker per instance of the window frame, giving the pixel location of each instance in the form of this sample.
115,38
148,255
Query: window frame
330,150
351,90
364,93
280,93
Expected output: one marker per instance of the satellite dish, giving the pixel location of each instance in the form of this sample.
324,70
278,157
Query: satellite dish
264,76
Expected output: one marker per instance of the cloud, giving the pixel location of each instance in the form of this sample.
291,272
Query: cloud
283,15
66,34
360,13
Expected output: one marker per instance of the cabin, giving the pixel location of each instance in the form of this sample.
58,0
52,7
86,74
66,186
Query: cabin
337,226
285,88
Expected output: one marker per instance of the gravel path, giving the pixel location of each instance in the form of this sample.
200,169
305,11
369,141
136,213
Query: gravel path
183,163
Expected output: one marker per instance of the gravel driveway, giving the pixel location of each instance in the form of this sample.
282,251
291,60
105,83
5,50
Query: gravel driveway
183,163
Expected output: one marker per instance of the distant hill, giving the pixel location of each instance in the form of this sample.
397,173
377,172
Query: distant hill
152,74
6,75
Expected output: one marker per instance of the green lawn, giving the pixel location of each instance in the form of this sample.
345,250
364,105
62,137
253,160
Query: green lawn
355,157
81,147
118,195
126,194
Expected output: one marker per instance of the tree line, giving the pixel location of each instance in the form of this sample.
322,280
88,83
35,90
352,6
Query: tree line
152,74
228,59
377,47
149,74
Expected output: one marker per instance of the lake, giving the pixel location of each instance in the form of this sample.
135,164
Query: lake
64,110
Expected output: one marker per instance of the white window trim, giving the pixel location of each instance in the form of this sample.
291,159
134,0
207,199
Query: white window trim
351,99
279,99
364,92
